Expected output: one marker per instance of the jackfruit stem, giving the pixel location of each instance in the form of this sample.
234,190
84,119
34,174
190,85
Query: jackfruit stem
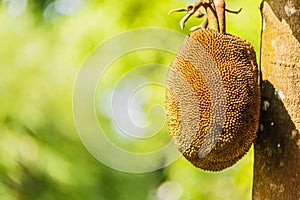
212,17
215,12
220,11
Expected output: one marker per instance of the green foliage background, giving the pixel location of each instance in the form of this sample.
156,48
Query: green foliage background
41,154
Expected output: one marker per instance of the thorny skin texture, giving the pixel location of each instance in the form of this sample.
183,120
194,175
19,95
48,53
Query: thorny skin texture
234,58
213,98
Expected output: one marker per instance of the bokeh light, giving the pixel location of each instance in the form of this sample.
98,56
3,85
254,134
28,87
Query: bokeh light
43,46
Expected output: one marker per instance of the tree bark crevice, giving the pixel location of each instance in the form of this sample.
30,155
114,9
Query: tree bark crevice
277,147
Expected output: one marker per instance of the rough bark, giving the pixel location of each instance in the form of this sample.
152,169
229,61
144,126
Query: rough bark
277,147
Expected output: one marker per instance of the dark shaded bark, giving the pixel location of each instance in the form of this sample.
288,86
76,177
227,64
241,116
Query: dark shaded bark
277,147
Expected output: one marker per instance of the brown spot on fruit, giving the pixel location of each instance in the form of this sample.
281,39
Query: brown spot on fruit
213,99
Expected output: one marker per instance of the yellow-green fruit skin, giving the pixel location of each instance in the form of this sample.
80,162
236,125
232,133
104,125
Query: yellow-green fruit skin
213,99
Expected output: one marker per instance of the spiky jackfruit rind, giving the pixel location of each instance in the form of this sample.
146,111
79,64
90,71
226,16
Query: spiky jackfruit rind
190,97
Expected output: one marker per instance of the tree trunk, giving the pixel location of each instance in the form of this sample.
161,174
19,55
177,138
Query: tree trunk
277,147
